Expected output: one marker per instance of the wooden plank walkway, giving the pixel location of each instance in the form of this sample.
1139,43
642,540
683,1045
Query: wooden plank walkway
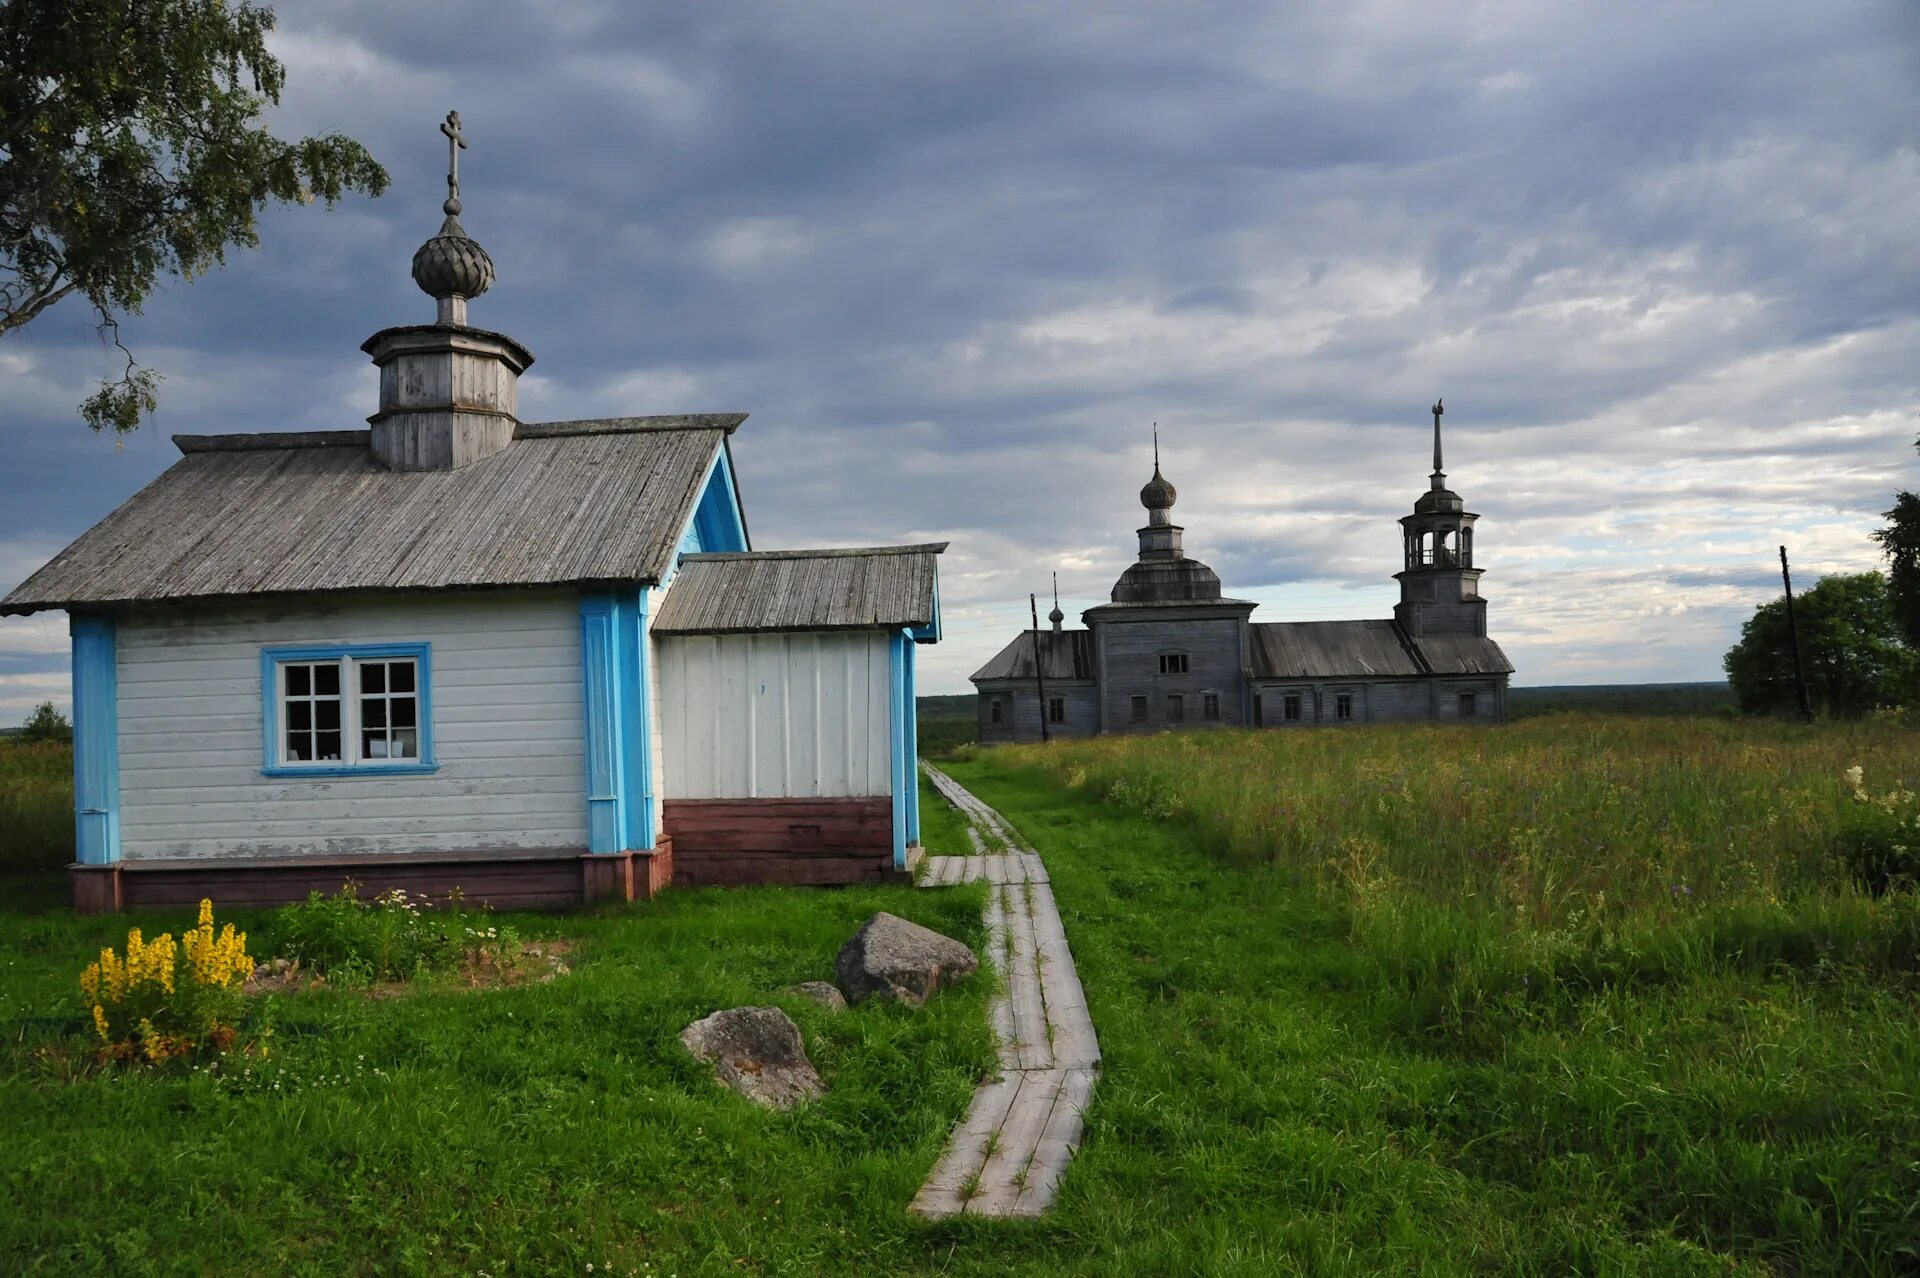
1007,1155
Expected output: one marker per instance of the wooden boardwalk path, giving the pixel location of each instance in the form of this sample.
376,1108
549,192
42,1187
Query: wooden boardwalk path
1007,1155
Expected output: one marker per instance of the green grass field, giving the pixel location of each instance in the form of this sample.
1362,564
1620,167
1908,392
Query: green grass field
1362,1010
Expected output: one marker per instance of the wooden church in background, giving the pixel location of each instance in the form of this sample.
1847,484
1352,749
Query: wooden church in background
538,662
1169,651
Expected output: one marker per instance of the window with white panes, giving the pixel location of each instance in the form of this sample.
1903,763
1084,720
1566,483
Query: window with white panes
348,708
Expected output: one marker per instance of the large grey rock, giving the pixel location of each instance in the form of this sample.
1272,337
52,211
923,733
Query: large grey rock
758,1052
892,958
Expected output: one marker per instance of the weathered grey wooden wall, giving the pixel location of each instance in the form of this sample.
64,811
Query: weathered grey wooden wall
1380,701
1020,710
1128,656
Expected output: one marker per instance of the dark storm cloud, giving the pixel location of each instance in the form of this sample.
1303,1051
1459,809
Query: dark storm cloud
956,259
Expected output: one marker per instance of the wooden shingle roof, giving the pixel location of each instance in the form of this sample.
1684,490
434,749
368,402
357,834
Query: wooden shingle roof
588,502
1064,656
869,588
1365,649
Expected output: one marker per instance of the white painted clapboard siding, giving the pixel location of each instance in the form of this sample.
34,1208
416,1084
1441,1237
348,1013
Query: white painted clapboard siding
506,717
774,716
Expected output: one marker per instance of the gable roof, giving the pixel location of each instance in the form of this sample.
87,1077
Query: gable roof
868,588
1064,656
586,502
1365,649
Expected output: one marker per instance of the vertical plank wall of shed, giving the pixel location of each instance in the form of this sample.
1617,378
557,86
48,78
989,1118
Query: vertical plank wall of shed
775,715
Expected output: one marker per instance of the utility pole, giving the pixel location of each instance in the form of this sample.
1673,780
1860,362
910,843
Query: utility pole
1799,668
1039,674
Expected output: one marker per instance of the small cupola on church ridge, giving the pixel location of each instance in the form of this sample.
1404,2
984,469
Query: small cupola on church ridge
1163,573
449,392
1057,617
1439,586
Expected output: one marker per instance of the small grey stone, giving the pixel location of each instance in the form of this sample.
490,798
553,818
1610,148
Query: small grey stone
825,993
758,1052
892,958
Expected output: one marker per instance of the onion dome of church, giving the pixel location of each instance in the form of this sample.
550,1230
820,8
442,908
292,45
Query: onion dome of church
452,263
1056,616
1158,494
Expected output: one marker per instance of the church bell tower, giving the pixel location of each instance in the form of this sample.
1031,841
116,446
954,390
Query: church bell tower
1439,586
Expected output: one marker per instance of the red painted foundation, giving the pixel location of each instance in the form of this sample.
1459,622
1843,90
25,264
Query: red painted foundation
816,842
534,879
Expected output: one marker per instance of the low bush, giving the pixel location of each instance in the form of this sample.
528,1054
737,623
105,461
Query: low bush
1879,837
168,998
395,936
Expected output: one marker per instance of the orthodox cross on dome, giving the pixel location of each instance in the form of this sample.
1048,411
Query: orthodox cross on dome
1439,476
456,143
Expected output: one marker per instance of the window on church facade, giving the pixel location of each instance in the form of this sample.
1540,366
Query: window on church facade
1290,707
1056,709
1137,709
1210,705
993,710
1173,663
1343,705
1467,701
1176,707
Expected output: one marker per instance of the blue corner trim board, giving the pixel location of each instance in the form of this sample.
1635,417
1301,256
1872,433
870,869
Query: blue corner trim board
904,782
600,685
96,739
619,745
273,766
636,734
913,744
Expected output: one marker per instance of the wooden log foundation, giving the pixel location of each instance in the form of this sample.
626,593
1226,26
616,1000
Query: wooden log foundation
808,842
530,879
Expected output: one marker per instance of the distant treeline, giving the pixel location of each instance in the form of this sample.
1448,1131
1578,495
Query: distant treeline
949,722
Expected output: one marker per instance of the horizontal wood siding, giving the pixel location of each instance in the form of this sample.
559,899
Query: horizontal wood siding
1020,711
795,841
1131,655
1486,695
1410,701
507,721
770,716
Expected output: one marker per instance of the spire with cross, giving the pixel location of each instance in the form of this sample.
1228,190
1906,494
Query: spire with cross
452,267
1439,475
456,143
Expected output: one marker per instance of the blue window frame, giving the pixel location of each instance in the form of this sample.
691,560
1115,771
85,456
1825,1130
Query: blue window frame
345,710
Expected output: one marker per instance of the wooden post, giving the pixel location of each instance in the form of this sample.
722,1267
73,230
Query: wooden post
1039,675
1793,630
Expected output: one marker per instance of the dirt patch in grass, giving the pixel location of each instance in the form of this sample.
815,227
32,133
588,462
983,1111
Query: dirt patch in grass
536,963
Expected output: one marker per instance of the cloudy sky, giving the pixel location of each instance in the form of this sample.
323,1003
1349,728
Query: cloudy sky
956,259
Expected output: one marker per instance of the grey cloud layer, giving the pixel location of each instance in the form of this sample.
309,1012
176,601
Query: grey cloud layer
955,259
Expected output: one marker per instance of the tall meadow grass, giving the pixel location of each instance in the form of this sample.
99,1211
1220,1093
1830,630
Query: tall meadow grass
36,806
1548,857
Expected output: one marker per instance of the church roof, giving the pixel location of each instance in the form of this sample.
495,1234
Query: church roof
575,503
869,588
1365,649
1064,654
